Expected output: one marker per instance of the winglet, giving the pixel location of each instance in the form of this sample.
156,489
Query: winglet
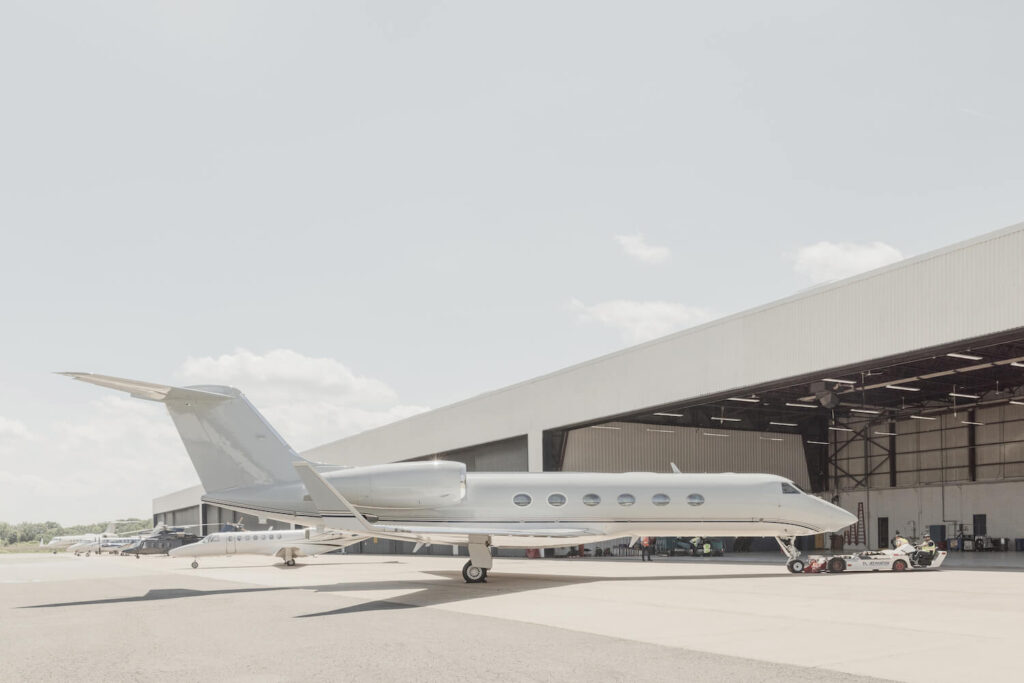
326,497
146,390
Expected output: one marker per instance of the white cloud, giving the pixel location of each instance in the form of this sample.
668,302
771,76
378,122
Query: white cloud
13,429
827,261
637,247
639,321
310,401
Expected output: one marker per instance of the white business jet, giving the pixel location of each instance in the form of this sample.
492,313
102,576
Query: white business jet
245,465
284,544
68,542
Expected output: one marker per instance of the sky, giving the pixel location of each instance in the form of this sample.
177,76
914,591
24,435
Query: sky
358,211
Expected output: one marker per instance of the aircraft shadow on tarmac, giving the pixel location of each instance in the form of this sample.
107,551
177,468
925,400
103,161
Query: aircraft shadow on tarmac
447,587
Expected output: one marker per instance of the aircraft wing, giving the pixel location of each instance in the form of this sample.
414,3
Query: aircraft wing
332,504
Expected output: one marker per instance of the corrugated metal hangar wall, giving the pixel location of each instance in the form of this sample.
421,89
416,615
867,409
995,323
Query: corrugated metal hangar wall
634,447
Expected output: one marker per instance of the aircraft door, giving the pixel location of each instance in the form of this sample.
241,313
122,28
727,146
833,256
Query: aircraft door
229,544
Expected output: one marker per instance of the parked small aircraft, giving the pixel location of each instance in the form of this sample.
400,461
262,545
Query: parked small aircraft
245,465
66,542
286,544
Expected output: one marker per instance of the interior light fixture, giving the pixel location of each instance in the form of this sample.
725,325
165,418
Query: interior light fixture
670,414
840,429
820,443
964,356
801,405
1017,364
1017,403
794,424
866,411
922,417
839,381
603,427
886,433
900,387
969,422
770,438
956,395
726,419
713,434
663,431
743,400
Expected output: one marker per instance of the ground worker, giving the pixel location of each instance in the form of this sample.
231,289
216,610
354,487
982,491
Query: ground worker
898,540
647,549
927,545
707,548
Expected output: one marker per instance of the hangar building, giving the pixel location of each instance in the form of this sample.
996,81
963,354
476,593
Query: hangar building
897,393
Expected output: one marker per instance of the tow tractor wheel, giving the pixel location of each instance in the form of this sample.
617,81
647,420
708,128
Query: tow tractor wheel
899,566
195,565
290,563
795,566
837,564
473,574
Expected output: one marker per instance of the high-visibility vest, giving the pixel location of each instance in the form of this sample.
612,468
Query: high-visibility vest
707,547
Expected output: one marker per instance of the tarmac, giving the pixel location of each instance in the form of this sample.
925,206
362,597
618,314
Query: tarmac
361,617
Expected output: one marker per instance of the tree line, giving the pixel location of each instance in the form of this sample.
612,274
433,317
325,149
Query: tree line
32,532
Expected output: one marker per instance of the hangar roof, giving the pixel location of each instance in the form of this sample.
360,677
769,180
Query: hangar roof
900,320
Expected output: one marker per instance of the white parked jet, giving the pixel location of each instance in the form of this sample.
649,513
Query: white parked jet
245,465
61,542
284,544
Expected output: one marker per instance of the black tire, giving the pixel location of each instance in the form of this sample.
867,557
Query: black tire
836,565
473,574
899,566
795,566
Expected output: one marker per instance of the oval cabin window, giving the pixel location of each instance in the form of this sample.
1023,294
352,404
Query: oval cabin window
695,499
591,499
522,499
556,500
626,499
660,499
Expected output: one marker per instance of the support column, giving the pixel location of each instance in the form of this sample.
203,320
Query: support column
535,451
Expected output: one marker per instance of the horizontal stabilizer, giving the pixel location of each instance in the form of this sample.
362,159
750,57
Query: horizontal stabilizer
146,390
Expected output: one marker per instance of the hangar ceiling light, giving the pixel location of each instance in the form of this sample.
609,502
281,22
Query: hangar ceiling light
801,405
713,434
820,443
956,395
743,400
886,433
794,424
866,411
770,438
603,427
1017,403
964,356
840,429
670,414
1017,364
922,417
726,419
838,381
969,422
899,387
663,431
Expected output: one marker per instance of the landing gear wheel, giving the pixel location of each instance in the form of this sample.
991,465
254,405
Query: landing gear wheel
195,565
836,565
795,566
290,563
473,574
899,566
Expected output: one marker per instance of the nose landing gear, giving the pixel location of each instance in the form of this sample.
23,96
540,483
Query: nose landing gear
794,564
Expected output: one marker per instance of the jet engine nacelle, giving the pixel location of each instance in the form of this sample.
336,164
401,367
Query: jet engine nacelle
404,485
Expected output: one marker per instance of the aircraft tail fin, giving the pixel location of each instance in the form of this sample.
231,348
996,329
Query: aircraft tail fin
230,443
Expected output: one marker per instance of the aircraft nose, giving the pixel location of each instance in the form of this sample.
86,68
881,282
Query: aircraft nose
839,518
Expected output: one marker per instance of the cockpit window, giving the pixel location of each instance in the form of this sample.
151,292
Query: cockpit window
789,488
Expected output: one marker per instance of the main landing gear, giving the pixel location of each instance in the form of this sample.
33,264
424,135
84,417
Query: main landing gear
794,564
480,560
